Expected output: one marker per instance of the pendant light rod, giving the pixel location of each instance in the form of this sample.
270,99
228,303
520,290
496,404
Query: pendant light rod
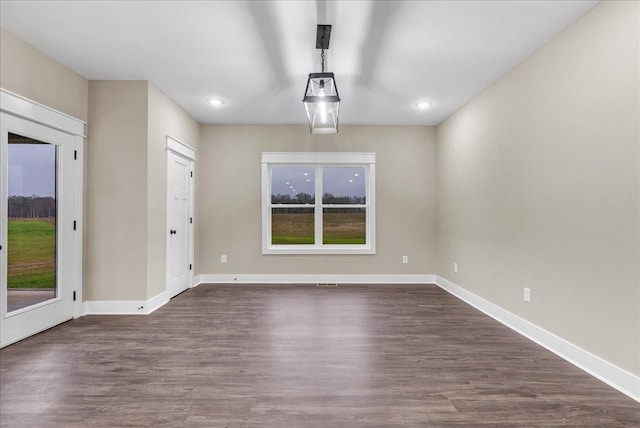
323,36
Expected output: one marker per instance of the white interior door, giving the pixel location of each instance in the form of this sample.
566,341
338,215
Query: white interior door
36,228
179,222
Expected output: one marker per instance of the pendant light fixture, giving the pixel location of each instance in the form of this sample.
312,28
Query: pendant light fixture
321,99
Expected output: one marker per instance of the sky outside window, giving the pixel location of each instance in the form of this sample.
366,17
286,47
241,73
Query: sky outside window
337,181
31,168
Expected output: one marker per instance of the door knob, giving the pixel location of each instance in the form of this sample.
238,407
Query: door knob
172,232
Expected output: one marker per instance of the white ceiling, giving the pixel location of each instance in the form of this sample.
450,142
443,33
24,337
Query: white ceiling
256,55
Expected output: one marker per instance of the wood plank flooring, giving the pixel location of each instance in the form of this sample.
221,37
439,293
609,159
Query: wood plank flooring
299,356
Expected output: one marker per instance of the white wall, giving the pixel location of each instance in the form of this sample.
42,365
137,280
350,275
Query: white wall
539,187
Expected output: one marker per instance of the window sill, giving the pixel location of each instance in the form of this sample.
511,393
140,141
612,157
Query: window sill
325,249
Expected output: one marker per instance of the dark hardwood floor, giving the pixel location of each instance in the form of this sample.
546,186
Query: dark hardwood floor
299,356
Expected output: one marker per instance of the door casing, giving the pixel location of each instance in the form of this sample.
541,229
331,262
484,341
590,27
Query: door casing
177,148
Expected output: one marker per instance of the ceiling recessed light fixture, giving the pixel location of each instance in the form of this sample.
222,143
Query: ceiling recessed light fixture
422,105
215,102
321,99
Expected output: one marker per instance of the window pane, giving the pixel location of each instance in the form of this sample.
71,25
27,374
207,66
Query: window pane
292,226
344,226
31,226
343,185
292,185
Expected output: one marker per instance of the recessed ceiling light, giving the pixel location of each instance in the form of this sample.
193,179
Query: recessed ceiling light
423,105
215,102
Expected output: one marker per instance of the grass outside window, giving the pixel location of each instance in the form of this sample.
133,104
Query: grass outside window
31,253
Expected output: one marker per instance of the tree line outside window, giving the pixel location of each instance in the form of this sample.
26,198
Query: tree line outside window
307,199
327,198
31,206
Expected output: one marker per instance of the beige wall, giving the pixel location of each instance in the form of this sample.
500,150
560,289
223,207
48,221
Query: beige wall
229,199
165,118
539,188
116,201
126,187
30,73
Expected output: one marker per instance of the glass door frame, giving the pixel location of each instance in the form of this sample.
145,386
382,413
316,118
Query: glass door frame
42,120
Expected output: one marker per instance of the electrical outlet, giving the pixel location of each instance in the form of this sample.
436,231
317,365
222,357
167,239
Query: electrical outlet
405,260
455,268
527,295
223,258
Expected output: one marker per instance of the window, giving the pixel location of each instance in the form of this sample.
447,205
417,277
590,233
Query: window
318,203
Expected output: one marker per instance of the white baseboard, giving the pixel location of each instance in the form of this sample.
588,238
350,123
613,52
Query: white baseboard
312,279
125,307
608,373
157,301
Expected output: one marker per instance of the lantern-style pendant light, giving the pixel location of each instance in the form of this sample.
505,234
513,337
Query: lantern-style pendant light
321,99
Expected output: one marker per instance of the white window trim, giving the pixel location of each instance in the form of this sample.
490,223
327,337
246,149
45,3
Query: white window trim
366,160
